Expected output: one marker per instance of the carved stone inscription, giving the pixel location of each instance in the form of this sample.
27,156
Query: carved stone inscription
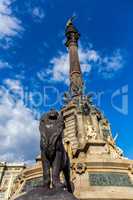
110,179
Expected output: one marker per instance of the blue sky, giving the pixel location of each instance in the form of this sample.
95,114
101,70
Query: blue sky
34,67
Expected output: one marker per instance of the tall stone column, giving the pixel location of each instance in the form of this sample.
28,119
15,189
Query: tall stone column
76,83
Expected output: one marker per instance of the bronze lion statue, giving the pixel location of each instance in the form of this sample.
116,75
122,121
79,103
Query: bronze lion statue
53,153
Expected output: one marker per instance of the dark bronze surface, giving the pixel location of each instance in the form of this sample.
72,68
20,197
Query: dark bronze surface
54,157
53,153
47,194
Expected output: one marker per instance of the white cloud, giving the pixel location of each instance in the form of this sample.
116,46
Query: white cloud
19,135
9,24
38,14
111,64
42,76
6,43
4,65
13,84
60,65
106,66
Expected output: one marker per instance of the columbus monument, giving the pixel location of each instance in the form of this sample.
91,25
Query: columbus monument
94,167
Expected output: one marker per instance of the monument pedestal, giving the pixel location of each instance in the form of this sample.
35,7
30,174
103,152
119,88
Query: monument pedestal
47,194
100,178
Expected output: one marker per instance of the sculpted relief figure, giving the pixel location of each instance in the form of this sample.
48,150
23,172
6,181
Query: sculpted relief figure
53,153
105,128
90,131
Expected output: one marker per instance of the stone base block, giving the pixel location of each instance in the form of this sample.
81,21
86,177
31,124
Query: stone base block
47,194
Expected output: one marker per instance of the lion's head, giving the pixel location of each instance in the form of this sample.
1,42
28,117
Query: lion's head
51,130
52,115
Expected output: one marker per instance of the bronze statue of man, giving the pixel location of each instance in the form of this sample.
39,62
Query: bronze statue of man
53,154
